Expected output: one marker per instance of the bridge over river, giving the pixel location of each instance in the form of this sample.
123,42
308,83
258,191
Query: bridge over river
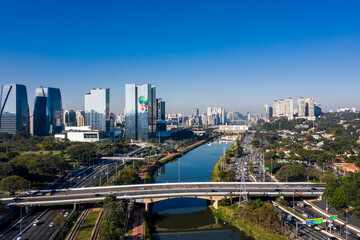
149,193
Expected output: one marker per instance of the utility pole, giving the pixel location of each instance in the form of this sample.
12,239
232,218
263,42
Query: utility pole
297,229
294,199
179,169
20,218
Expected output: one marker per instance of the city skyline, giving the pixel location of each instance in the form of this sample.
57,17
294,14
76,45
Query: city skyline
249,51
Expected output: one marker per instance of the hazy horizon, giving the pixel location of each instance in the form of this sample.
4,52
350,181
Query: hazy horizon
235,55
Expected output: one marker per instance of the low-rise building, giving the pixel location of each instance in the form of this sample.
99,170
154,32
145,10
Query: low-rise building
79,134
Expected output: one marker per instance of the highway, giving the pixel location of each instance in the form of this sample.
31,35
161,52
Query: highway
83,178
42,231
141,191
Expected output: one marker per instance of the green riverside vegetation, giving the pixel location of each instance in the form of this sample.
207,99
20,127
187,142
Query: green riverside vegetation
223,169
255,218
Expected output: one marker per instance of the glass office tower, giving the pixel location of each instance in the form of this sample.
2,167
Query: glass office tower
140,112
48,112
14,114
97,109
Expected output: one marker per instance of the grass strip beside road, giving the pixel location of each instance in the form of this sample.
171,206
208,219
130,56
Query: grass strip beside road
87,227
230,214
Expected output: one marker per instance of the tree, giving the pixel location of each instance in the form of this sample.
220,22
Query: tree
339,198
113,218
83,153
13,184
329,190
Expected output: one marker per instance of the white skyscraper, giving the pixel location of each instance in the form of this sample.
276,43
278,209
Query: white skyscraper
97,109
301,107
309,108
284,108
216,115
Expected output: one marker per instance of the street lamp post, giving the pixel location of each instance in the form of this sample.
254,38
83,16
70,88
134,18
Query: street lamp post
294,199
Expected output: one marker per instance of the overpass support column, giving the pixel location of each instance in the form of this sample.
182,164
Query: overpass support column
216,204
146,206
75,206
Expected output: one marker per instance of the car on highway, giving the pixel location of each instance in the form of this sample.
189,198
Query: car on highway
98,195
66,214
35,223
51,224
127,195
142,188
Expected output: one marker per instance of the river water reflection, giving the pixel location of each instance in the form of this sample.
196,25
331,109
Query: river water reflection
190,218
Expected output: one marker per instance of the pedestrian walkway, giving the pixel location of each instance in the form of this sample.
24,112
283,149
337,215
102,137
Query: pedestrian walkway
137,231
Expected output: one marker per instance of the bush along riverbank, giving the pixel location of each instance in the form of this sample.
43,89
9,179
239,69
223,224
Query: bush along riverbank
150,172
256,218
223,169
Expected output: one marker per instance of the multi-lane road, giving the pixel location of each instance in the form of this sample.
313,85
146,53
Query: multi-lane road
86,177
143,191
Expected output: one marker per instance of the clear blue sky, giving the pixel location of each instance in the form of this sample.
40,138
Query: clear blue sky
235,54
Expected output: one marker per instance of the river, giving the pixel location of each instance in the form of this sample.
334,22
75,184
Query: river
190,218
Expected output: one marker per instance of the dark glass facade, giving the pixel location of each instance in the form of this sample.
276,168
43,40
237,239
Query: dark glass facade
160,109
14,114
140,112
48,113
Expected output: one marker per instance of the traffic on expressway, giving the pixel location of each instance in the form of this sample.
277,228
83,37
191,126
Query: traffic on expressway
140,191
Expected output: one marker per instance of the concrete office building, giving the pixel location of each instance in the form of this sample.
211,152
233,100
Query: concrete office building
140,112
14,114
97,109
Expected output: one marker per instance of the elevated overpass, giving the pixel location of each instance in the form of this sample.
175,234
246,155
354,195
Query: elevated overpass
123,159
213,191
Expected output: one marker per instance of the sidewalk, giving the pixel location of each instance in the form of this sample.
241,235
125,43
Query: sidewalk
137,231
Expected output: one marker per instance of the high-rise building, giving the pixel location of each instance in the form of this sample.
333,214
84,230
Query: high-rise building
309,108
97,109
301,107
14,114
80,118
216,115
69,118
140,112
48,115
284,108
317,109
196,112
160,109
268,112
